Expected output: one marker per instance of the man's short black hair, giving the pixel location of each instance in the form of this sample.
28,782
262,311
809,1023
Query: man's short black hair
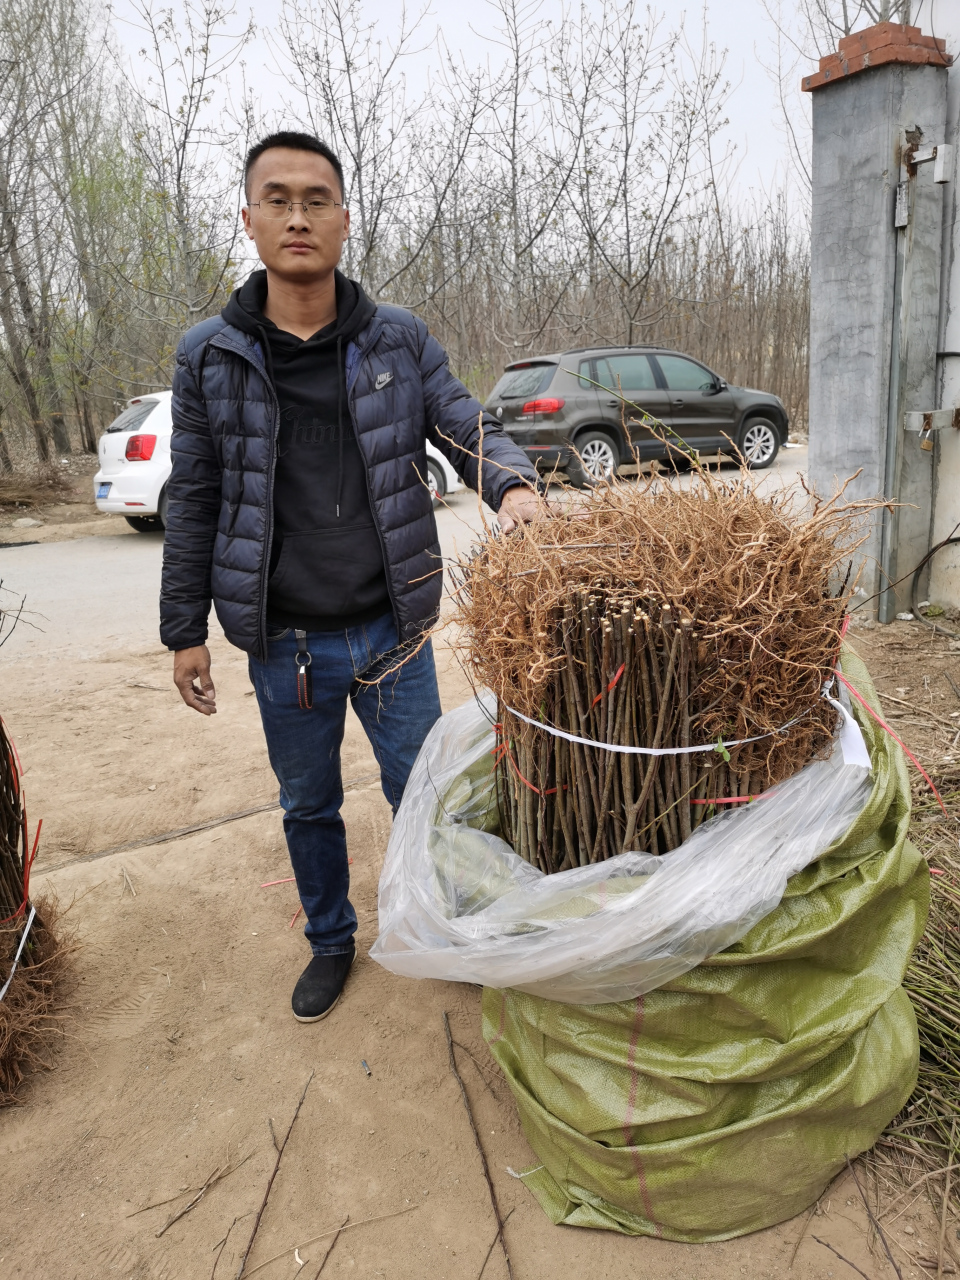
296,142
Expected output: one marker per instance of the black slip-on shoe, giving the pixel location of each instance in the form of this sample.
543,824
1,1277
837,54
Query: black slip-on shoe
320,986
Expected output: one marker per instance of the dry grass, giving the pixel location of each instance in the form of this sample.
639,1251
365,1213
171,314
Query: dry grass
921,1144
34,489
650,615
28,1024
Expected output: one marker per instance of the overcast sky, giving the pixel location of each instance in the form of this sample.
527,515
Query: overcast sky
741,27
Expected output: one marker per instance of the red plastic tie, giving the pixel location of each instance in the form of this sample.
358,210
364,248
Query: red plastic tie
610,686
534,789
33,854
883,724
726,800
505,753
21,910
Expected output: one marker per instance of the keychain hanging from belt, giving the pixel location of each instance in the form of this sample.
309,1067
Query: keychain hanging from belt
304,662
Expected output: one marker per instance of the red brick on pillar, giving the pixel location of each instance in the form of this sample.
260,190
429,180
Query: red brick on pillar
876,46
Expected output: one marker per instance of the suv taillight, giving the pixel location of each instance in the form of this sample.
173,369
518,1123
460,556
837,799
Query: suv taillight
140,448
549,405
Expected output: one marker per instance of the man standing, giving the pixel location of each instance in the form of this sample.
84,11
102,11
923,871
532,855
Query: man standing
297,504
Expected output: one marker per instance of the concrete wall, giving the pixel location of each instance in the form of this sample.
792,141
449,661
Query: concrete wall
873,347
944,587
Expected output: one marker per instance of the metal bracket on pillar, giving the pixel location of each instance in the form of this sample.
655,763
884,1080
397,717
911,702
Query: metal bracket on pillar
930,420
942,158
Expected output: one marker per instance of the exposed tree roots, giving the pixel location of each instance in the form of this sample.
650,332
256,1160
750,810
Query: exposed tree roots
657,617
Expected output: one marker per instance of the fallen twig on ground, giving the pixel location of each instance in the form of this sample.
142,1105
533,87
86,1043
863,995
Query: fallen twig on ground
873,1220
839,1255
806,1223
179,832
493,1243
486,1082
946,1199
221,1245
270,1180
920,1182
333,1245
347,1226
926,712
218,1175
476,1138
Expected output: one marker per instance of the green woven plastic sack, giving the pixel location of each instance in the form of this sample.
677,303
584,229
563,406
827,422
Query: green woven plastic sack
726,1100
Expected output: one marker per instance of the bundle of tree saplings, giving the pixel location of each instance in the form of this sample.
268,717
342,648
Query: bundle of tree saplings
649,616
32,961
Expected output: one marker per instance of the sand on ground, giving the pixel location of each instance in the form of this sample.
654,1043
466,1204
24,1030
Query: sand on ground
179,1049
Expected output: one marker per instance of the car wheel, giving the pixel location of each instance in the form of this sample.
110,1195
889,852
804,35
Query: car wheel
145,524
162,509
757,444
598,460
436,482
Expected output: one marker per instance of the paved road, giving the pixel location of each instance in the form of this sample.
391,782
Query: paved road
90,595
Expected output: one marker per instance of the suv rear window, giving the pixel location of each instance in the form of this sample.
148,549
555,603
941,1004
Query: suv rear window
135,415
519,384
630,372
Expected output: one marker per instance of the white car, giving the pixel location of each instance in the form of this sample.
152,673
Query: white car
135,464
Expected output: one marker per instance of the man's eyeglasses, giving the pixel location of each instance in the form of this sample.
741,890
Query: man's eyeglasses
316,210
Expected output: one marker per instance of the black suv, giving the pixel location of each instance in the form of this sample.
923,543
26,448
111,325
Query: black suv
548,403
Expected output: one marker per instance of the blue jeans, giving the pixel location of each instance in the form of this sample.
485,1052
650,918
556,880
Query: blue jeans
304,748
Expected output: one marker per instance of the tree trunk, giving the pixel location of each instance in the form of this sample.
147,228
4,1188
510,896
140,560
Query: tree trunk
40,339
15,269
21,371
5,462
88,437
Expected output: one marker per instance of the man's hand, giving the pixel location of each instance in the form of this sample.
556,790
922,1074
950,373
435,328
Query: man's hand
191,665
520,505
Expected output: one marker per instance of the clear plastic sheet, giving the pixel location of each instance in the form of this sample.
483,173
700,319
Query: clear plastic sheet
457,903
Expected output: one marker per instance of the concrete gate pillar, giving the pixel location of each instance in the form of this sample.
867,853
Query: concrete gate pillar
879,108
944,584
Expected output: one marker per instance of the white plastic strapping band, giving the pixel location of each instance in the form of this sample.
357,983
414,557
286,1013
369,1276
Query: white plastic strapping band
16,958
851,738
655,751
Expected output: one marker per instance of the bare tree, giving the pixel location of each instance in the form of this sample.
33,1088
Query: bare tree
33,79
564,187
807,30
190,199
824,22
403,161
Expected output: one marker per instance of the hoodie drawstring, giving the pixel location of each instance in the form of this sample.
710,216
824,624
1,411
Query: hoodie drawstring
339,422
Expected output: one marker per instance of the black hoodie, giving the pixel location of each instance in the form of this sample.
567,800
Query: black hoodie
326,565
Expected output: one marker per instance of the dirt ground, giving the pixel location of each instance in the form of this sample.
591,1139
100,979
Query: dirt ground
179,1049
